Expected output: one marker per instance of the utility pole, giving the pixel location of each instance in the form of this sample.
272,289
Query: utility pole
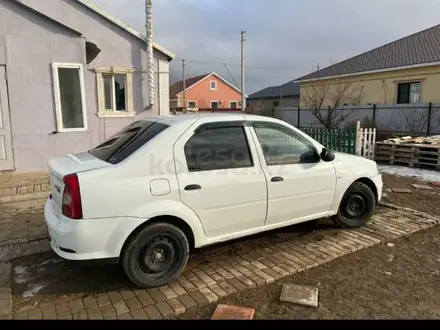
184,83
243,98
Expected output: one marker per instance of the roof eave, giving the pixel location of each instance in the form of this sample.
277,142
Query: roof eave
397,68
125,27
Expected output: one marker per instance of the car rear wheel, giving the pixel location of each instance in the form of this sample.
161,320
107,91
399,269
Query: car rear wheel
156,255
357,206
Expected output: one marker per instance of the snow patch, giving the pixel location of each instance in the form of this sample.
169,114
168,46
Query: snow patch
33,290
420,174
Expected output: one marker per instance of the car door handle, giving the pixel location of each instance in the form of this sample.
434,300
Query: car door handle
277,179
193,187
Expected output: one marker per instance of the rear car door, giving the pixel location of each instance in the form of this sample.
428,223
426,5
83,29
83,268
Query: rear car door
220,177
300,185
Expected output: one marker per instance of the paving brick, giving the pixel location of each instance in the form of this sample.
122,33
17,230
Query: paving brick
152,313
36,315
301,254
138,314
127,294
266,262
114,296
257,254
94,313
199,298
217,277
21,316
227,287
49,313
265,276
177,288
124,316
230,269
237,284
243,270
63,311
328,243
186,284
90,302
246,281
165,309
188,302
103,299
144,298
177,306
224,273
156,295
227,312
133,303
364,236
207,269
211,296
315,250
350,248
205,278
368,231
107,311
358,239
121,307
288,268
168,292
271,272
218,290
77,309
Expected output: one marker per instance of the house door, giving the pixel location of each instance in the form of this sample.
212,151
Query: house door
6,161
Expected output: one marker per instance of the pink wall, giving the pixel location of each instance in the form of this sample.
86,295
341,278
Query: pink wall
202,94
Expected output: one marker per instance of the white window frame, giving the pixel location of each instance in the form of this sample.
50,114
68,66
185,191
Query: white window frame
102,111
230,104
57,95
210,85
195,103
214,101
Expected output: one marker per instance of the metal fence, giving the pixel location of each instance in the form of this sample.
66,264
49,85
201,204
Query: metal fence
389,120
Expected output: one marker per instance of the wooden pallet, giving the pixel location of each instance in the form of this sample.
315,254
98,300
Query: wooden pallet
412,155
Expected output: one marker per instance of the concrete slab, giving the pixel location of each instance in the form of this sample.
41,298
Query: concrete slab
299,295
228,312
402,190
422,186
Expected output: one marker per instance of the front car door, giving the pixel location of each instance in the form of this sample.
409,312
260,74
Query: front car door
300,185
220,177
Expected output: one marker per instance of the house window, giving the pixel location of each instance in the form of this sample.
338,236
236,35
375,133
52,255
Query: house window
276,104
115,92
213,85
214,104
408,93
192,104
70,100
233,104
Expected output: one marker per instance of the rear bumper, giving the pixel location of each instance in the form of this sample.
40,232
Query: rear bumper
87,240
377,180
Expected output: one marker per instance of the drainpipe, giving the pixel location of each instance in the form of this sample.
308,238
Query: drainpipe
150,56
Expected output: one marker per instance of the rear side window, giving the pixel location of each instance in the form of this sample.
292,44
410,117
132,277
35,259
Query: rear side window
121,145
218,148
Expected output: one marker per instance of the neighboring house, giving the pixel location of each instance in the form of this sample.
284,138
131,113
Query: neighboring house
266,100
208,91
401,72
71,75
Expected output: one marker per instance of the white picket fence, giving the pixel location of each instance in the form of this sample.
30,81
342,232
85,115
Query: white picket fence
365,141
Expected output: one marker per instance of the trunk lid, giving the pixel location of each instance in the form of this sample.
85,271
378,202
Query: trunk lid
59,167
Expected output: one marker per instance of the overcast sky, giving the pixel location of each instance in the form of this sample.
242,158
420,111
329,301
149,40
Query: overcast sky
285,38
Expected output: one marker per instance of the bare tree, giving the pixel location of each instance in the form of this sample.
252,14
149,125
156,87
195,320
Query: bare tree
331,101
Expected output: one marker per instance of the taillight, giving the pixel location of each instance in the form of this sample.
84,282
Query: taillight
72,207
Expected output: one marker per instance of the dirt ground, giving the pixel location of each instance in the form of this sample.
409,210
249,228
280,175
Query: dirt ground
422,200
383,282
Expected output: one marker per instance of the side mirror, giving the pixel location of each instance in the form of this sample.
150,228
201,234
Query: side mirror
327,155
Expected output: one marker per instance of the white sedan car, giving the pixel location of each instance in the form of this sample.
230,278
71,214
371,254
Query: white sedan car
164,185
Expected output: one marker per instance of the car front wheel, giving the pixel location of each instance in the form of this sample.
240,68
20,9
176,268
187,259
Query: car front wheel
156,255
357,206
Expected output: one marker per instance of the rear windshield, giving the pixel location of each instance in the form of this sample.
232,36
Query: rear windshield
131,138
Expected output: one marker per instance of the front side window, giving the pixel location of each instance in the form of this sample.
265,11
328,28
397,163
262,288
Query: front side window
218,148
69,97
282,146
233,104
408,93
214,104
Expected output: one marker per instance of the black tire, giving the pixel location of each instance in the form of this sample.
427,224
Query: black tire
156,255
357,206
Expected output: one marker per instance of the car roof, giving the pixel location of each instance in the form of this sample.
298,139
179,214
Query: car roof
174,119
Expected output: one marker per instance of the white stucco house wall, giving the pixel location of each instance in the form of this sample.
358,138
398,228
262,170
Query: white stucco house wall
71,75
